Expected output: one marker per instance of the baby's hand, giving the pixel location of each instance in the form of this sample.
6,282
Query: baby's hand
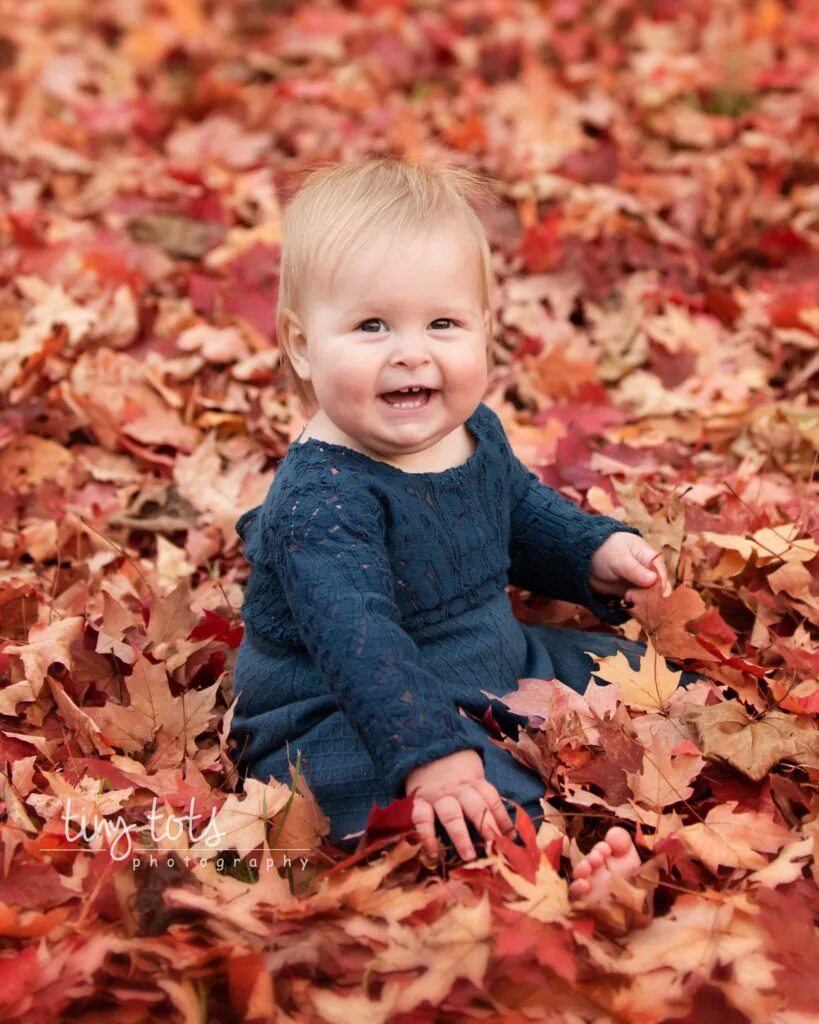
624,558
449,786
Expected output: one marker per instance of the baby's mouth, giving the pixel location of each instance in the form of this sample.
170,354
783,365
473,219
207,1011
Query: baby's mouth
408,399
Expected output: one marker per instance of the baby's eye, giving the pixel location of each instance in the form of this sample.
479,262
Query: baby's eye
377,320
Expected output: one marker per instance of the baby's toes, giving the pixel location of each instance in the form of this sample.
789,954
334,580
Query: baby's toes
579,888
582,869
618,840
599,854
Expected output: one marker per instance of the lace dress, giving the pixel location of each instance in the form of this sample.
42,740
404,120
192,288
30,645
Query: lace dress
377,605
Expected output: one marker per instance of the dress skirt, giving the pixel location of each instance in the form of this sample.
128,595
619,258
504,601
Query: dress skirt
552,651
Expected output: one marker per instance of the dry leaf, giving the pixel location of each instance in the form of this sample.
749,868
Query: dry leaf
648,687
753,746
735,840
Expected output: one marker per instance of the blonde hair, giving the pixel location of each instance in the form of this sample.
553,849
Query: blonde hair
341,207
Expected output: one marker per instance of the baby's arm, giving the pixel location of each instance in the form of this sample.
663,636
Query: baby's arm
552,541
331,558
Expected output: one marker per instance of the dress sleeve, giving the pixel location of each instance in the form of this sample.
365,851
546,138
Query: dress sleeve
331,558
552,542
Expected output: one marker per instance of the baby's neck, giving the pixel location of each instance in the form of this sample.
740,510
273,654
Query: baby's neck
451,451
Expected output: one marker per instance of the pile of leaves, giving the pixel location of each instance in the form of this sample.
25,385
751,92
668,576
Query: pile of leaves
657,250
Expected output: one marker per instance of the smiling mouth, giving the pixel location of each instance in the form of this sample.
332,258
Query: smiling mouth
408,399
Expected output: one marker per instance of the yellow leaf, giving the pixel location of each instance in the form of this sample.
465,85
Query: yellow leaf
546,899
242,821
649,687
768,544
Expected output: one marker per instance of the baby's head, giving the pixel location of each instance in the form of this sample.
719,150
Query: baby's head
386,282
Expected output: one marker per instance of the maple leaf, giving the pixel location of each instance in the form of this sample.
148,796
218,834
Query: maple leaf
455,945
160,426
220,494
651,686
251,986
684,939
620,755
753,746
10,696
665,778
116,619
172,620
216,345
47,644
131,727
729,839
87,733
21,924
546,898
88,798
236,908
14,809
665,619
243,817
27,460
787,867
769,544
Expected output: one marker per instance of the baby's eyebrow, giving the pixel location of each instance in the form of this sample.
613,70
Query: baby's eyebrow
379,308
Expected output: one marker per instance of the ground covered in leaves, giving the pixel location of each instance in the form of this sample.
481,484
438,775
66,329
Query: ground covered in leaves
657,251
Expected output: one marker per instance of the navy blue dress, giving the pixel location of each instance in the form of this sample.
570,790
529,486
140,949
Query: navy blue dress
377,605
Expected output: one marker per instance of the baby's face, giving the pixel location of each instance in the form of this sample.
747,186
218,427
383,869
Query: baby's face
410,314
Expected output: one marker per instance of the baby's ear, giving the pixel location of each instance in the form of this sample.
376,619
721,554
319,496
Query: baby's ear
291,337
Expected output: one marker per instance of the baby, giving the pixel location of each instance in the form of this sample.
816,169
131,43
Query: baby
377,604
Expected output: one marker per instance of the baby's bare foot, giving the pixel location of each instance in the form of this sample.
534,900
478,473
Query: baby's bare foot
615,855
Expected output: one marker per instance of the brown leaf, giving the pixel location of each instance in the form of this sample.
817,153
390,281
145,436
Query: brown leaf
752,746
620,755
665,619
47,644
180,237
152,708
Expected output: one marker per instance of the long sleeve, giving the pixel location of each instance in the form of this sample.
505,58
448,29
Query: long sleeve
330,555
552,543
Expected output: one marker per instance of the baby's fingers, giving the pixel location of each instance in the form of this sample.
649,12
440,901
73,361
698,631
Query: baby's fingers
451,816
495,805
423,817
476,805
659,564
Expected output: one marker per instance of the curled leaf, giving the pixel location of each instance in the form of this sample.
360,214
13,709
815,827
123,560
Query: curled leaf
752,746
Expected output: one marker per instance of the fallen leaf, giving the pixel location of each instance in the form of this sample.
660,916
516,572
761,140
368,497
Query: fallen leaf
769,544
753,746
787,867
648,687
665,619
734,840
47,643
546,898
665,778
